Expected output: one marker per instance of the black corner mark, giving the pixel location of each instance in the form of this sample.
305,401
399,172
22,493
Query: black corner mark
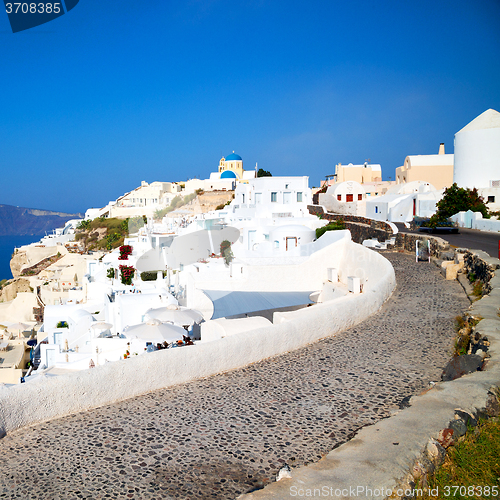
27,14
70,4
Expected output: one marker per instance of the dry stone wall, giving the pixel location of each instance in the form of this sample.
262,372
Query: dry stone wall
361,228
407,243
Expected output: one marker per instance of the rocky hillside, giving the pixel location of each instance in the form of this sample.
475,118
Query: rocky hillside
21,221
11,288
207,201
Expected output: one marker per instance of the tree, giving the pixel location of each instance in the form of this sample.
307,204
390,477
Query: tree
457,199
263,173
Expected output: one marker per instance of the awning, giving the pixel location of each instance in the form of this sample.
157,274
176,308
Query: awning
228,303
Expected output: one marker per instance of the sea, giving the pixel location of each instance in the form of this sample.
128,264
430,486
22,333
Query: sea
7,245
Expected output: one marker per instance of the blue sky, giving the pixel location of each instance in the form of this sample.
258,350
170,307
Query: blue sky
120,91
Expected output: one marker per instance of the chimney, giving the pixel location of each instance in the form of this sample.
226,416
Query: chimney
441,149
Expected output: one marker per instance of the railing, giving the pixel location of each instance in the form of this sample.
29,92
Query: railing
73,342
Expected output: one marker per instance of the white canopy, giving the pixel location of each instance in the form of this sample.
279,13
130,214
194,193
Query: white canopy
155,331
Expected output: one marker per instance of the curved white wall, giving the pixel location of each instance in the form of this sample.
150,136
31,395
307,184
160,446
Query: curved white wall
48,397
477,157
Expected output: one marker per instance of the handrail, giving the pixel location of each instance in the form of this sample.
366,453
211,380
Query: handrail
73,342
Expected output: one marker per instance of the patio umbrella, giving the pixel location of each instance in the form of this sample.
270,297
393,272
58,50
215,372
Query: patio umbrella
19,327
155,331
177,314
100,326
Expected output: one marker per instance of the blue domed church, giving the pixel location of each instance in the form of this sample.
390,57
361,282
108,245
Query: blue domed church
231,168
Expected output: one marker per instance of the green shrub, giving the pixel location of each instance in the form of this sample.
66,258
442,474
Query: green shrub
62,324
188,198
225,251
331,226
477,289
150,275
84,224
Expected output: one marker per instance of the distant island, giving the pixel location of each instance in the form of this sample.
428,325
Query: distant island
20,221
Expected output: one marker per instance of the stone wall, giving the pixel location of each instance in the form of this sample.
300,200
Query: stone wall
406,242
482,266
361,228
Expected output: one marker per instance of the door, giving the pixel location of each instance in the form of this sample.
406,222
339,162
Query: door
58,338
50,356
291,242
251,239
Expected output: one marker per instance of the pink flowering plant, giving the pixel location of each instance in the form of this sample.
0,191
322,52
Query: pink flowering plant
125,251
127,273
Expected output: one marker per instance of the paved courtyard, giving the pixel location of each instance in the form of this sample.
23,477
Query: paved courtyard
218,437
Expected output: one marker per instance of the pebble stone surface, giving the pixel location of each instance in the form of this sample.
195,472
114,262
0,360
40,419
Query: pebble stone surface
228,434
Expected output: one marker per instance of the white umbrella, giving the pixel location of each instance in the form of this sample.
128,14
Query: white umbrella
101,325
177,314
155,331
19,327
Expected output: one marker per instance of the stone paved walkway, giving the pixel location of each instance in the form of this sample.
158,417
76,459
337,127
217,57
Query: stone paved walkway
228,434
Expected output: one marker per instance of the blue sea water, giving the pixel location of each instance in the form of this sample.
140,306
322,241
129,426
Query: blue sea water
7,245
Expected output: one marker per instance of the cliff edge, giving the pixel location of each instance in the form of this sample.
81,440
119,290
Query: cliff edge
22,221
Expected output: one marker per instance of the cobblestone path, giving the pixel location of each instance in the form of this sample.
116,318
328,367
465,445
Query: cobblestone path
217,437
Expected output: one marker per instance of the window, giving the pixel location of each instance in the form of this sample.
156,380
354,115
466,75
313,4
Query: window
258,198
287,197
360,197
242,198
276,244
286,186
339,197
274,197
299,197
266,237
376,210
491,199
349,197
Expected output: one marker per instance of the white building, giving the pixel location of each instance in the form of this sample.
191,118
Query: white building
268,225
402,202
477,157
156,193
348,198
143,200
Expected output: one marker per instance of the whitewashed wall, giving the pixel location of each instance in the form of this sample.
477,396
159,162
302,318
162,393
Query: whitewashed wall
474,220
46,397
